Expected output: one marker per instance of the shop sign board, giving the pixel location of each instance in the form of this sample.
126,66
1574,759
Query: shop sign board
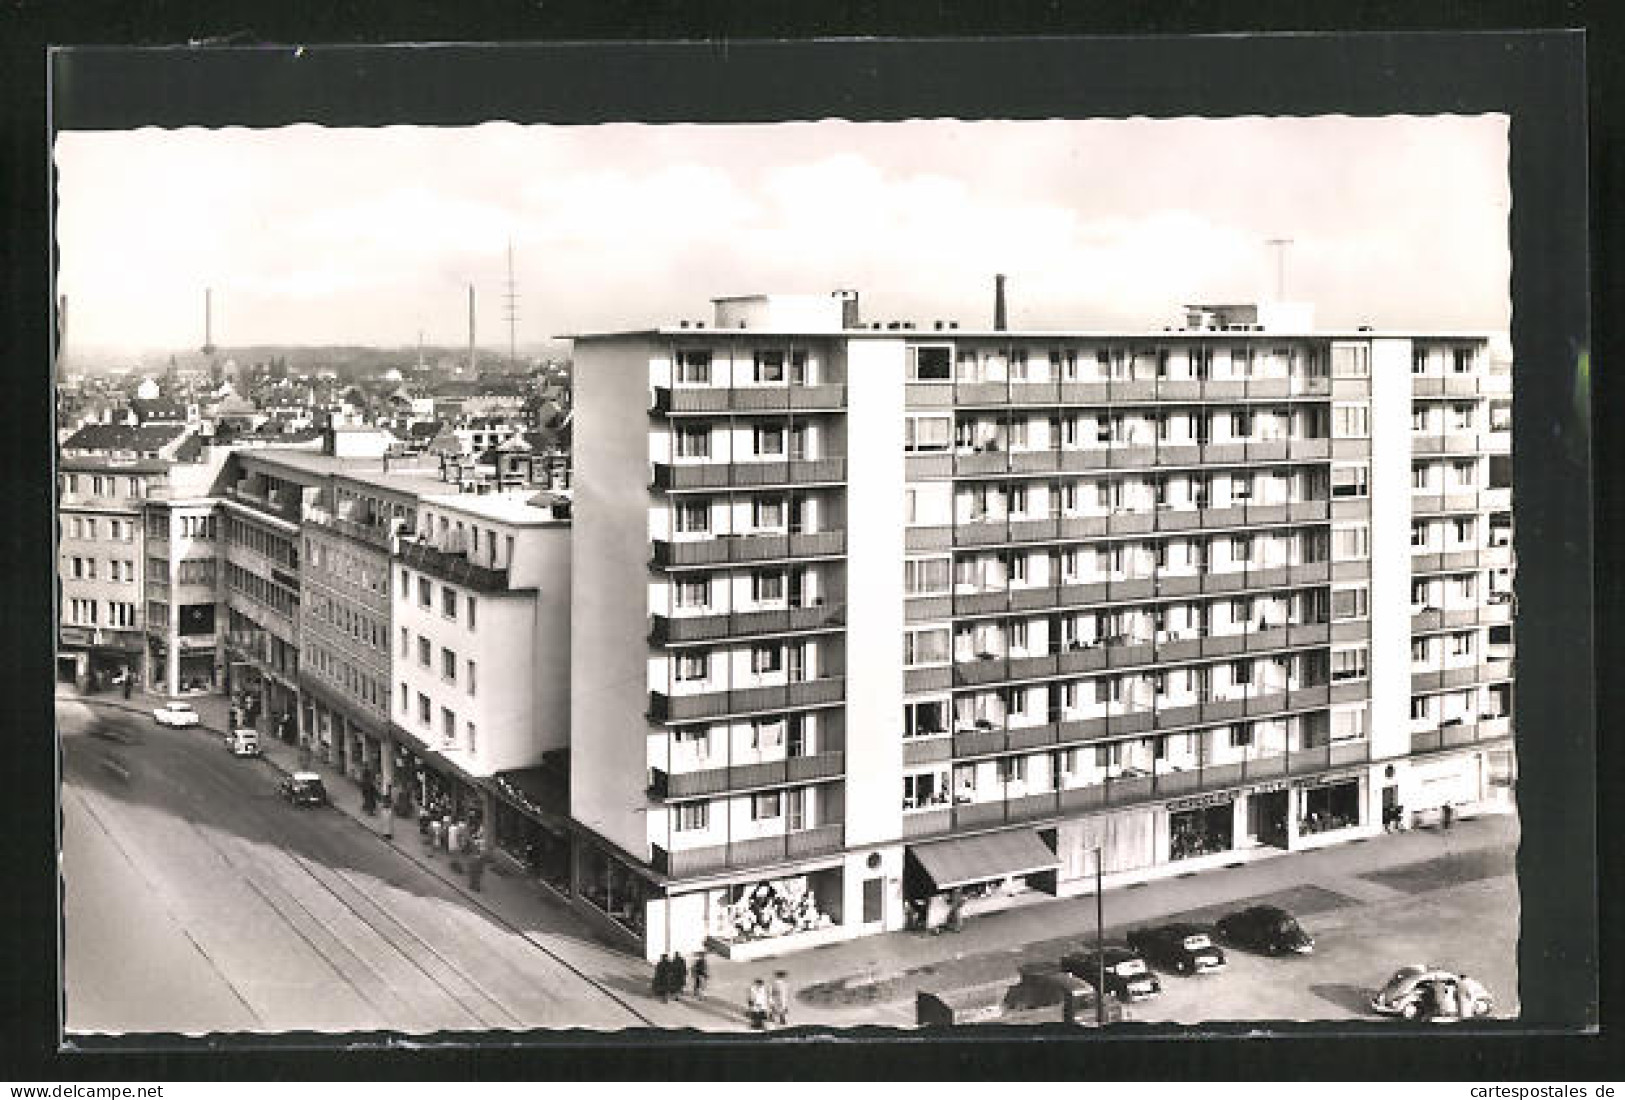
1327,780
1203,801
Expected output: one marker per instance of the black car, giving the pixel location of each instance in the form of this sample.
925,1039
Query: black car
1188,948
303,789
1127,976
1265,928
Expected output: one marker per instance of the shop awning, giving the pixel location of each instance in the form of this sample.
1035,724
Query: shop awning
968,859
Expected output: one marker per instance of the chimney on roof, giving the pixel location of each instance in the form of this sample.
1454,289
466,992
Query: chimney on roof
999,319
849,308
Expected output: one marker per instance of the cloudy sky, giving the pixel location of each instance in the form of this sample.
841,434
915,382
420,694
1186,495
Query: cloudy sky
310,235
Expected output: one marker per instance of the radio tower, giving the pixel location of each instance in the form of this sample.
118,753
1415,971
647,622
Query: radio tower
510,311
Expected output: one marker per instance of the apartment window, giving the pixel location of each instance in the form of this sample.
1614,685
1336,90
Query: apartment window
471,618
1461,360
1241,736
1461,417
694,368
925,647
693,666
1461,645
925,718
1419,476
1350,603
448,724
471,684
1012,769
1241,672
405,699
1419,534
766,658
693,594
1351,421
448,602
910,505
1349,725
424,650
1419,420
1463,529
931,364
767,514
767,733
693,817
425,592
693,442
1419,651
1419,361
769,441
692,517
423,709
448,665
766,586
769,366
473,742
1350,481
1349,664
1351,361
406,583
1463,474
923,789
925,576
1351,543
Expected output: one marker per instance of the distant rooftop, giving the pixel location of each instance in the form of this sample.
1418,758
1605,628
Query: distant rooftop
142,439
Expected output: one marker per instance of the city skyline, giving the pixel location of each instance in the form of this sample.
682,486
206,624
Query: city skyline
300,231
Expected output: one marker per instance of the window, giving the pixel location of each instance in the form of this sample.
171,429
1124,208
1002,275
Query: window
924,789
425,592
692,517
1419,361
693,666
693,442
694,368
471,620
473,743
927,433
1241,736
931,364
925,718
766,586
924,576
923,647
406,583
1461,360
1241,672
448,664
90,527
769,366
423,709
1348,664
423,651
1351,421
769,441
1351,543
1350,481
910,506
404,699
1348,725
1462,529
1350,603
448,724
448,602
1419,419
1351,361
766,658
767,733
693,594
693,817
1419,651
1419,534
1461,645
1461,418
1012,769
767,514
1419,476
1463,474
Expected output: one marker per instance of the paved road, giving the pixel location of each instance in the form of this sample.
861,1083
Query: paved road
196,900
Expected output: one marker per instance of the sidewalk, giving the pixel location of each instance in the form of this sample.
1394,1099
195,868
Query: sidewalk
871,980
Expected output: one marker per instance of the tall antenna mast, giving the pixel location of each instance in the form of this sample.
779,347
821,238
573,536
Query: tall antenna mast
1280,244
208,321
471,328
511,308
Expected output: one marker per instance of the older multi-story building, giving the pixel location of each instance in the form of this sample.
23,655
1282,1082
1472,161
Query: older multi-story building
869,617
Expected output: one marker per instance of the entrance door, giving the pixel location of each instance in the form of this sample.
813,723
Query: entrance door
873,905
1266,818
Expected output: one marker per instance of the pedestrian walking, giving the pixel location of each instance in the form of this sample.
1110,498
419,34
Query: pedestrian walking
778,998
679,976
702,974
662,978
756,1004
1447,816
956,910
476,869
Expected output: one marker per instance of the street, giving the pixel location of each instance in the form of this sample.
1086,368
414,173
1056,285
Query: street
196,900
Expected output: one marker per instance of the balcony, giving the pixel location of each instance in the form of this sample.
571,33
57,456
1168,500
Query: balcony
287,510
756,852
728,549
454,568
676,630
744,777
741,701
1457,734
759,399
369,533
748,475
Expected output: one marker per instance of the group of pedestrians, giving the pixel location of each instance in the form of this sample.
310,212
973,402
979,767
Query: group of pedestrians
672,975
768,1003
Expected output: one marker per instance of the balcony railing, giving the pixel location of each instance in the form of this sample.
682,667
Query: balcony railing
1456,734
755,852
743,475
722,549
289,510
678,629
996,531
1136,788
743,777
715,704
455,568
1120,391
716,399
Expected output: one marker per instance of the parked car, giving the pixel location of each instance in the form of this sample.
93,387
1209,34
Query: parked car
1265,928
303,789
1420,992
1044,987
243,742
1127,976
176,713
1188,948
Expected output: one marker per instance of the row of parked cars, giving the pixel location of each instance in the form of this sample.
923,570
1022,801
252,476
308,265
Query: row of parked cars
300,788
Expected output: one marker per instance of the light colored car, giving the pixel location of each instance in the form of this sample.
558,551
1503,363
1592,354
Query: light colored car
243,742
1419,992
175,713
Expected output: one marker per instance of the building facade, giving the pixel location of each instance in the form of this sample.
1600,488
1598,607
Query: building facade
873,618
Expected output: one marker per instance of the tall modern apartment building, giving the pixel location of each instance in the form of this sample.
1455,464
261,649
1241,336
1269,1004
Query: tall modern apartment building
868,617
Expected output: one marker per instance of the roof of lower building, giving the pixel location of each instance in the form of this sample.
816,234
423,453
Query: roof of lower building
137,438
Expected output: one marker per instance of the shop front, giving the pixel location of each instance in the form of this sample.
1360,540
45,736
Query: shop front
612,888
97,660
1269,811
434,787
1202,826
530,824
1329,804
946,881
789,910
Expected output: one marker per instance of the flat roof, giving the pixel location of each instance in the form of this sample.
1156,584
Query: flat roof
403,476
506,507
933,334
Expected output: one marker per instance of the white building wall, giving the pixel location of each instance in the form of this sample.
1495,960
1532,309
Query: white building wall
1390,658
874,600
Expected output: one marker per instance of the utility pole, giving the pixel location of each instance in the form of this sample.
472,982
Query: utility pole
1100,943
1280,244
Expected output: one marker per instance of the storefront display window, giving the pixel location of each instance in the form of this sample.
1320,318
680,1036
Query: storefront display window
1332,807
1201,831
609,886
778,907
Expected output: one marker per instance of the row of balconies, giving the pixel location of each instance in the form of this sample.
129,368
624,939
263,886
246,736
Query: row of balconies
1451,561
1462,443
748,474
1433,618
1129,456
1132,789
1451,385
1467,500
987,532
285,508
752,700
1115,391
705,782
1456,734
1068,733
1445,678
728,549
754,399
679,629
454,568
363,532
755,852
1161,586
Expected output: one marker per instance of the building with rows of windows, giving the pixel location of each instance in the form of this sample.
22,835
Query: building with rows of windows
868,620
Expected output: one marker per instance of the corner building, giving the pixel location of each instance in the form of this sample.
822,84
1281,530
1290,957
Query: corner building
868,618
